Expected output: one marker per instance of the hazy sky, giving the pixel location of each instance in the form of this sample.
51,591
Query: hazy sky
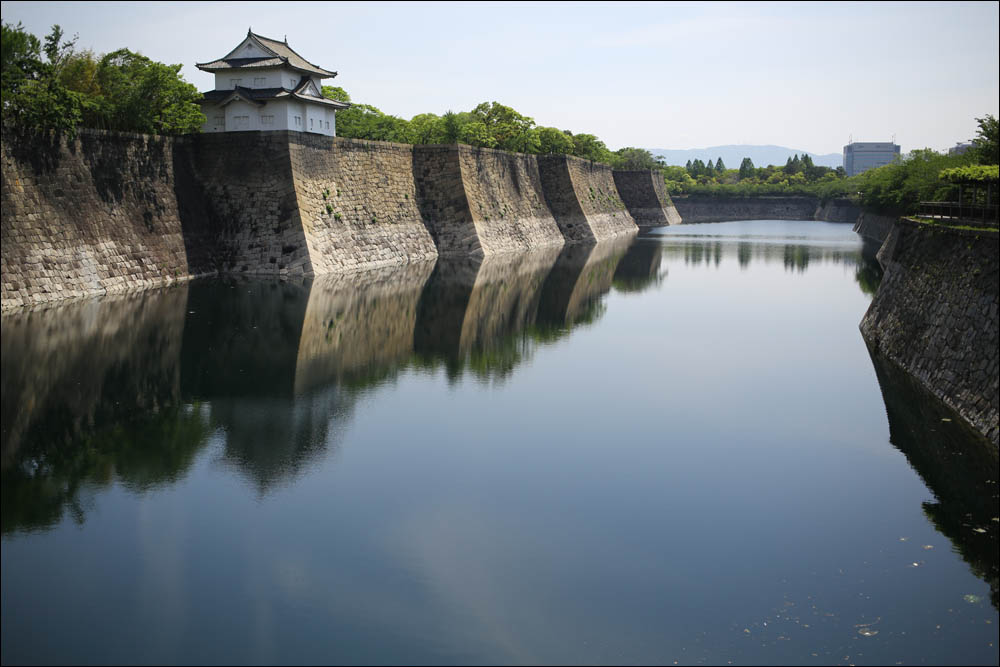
685,75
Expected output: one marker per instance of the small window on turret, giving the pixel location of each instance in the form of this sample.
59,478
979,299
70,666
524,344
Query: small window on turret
259,81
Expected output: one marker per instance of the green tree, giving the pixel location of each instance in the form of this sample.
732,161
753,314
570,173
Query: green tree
986,146
746,169
591,148
452,127
336,93
33,98
363,121
510,130
719,166
142,95
635,158
552,141
477,133
427,128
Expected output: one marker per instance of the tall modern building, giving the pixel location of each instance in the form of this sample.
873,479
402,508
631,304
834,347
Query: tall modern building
864,155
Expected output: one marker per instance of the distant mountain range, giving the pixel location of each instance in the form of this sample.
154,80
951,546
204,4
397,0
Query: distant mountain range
732,156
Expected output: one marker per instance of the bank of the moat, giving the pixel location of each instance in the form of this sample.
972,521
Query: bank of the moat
935,315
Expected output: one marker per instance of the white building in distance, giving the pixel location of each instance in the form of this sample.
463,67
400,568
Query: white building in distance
861,156
263,84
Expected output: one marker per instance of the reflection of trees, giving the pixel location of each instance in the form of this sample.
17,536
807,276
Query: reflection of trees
794,256
797,257
869,272
270,440
744,253
958,465
141,453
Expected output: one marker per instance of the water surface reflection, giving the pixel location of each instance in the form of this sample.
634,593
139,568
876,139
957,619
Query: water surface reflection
559,456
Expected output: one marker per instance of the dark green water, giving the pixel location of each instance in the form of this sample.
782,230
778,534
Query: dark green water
673,449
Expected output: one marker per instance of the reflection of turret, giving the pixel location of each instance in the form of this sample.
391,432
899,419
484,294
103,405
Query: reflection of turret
640,267
581,275
271,439
958,465
470,310
91,394
359,326
240,354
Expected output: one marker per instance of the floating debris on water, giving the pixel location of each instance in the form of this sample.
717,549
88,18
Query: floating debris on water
928,546
867,632
972,599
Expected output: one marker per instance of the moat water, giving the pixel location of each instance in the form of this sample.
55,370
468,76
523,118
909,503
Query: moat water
675,449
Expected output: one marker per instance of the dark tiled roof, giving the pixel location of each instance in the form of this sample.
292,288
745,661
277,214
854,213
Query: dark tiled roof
261,95
283,55
242,63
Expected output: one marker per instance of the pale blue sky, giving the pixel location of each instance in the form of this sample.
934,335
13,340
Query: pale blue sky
683,75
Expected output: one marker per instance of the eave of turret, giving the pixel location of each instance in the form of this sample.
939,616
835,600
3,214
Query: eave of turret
275,54
260,96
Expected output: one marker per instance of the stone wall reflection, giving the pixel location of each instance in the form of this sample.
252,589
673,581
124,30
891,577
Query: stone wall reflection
130,389
581,276
91,395
958,465
359,326
639,268
472,312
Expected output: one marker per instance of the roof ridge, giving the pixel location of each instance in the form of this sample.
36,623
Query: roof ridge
287,46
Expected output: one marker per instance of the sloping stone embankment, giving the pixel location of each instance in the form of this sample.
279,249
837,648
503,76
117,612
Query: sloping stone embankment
935,316
96,215
645,196
110,212
702,208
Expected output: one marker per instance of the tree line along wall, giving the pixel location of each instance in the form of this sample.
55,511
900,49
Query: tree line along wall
110,212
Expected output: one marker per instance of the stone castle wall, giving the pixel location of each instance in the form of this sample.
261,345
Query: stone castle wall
583,198
96,215
874,227
645,196
838,210
239,199
443,201
109,212
358,203
935,316
504,191
703,208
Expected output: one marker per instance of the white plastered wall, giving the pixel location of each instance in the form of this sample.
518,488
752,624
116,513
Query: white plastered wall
249,78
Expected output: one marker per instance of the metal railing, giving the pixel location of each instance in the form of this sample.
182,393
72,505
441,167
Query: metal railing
985,216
